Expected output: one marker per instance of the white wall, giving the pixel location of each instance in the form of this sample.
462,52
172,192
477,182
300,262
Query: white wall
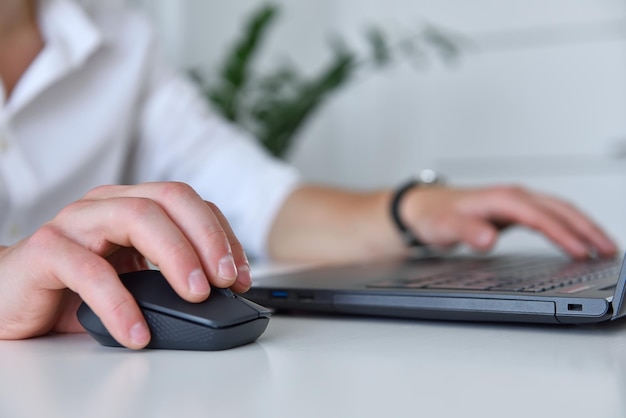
539,97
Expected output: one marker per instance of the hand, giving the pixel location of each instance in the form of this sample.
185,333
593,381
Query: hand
444,217
113,229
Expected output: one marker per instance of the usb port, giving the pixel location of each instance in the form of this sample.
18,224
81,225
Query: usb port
306,296
279,294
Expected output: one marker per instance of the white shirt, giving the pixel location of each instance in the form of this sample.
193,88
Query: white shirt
99,106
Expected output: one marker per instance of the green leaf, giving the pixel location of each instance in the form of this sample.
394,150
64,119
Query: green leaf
279,122
381,53
235,73
275,106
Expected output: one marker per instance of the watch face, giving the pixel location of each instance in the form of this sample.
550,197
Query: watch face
430,176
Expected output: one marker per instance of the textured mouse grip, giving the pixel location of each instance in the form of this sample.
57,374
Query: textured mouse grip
176,334
172,333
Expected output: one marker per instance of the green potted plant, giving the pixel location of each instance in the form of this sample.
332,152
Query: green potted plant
274,106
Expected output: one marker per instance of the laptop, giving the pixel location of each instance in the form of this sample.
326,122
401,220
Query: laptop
512,288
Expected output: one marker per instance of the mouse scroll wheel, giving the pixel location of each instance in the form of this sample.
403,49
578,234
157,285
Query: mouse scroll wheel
226,292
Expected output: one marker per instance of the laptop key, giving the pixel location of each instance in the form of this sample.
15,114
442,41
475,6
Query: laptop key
461,286
500,278
576,288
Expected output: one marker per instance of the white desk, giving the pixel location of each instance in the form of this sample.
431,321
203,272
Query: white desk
312,366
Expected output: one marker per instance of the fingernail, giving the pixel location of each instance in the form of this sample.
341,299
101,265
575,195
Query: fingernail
198,283
244,277
139,334
226,268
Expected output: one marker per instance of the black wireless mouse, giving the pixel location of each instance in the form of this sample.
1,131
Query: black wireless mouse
225,320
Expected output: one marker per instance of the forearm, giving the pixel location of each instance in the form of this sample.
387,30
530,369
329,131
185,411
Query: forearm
324,224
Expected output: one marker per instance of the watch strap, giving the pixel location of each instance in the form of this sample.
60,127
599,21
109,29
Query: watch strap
407,236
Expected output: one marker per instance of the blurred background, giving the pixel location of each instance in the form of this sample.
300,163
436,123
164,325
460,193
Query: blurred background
534,95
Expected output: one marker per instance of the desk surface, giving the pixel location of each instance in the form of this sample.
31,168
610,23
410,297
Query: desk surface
328,366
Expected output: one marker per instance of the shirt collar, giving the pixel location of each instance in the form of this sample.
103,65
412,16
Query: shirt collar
66,26
70,37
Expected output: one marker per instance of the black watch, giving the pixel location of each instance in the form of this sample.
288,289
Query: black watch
425,178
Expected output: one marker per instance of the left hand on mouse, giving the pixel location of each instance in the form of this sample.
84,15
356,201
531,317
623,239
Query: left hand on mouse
76,254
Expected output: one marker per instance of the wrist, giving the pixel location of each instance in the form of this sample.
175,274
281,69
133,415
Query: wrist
426,178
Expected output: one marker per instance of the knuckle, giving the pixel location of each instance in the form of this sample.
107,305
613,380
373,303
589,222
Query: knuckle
69,210
140,207
178,249
238,252
99,191
92,270
217,235
175,191
96,274
236,246
44,238
118,307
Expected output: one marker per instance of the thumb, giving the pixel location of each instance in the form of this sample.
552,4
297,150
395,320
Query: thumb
478,234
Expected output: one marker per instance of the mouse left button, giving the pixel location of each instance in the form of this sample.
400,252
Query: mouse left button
224,291
262,310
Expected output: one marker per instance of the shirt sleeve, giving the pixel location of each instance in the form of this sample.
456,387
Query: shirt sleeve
179,138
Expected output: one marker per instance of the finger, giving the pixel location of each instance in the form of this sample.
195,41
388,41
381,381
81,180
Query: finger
477,233
518,206
244,277
446,231
194,218
101,226
125,260
98,285
580,223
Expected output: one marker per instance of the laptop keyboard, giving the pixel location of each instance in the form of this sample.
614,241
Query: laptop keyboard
530,276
